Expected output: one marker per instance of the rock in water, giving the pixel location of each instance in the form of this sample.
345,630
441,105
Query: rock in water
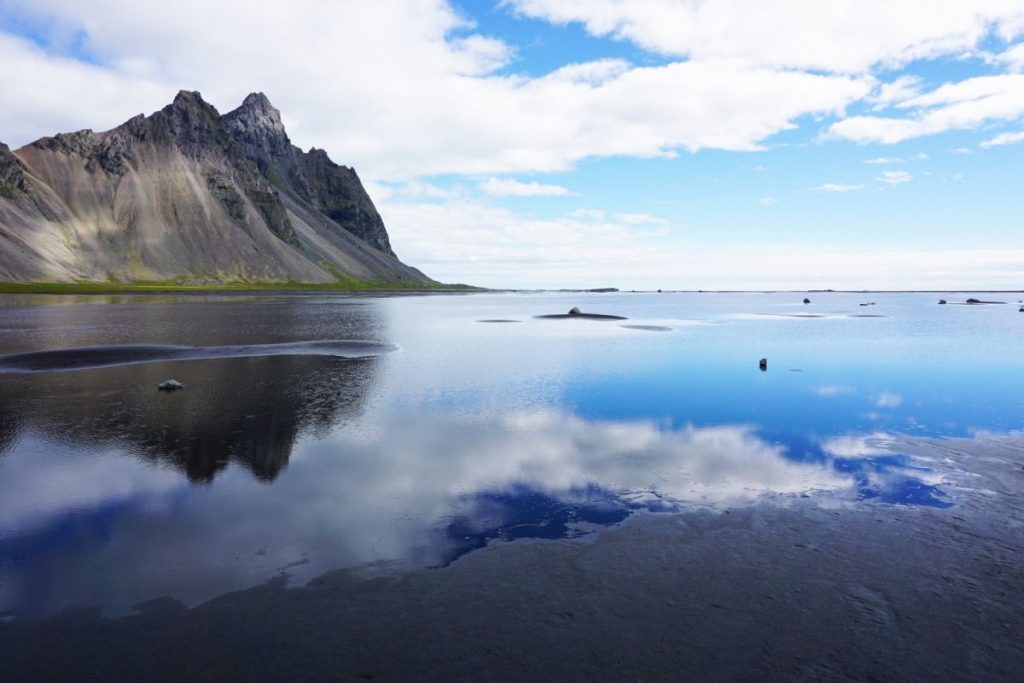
763,364
170,385
574,311
807,301
942,301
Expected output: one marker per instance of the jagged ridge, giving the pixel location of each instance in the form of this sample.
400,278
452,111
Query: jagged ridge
186,194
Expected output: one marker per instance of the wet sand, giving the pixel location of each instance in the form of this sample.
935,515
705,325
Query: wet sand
648,328
132,354
580,316
794,589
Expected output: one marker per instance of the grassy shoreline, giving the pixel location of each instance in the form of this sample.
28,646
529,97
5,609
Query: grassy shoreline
353,286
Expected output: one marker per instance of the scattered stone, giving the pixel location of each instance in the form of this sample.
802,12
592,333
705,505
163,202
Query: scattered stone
973,301
807,301
170,385
1021,309
942,301
763,364
870,303
574,311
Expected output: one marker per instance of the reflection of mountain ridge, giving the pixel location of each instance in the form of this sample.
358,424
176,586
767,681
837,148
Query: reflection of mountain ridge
249,411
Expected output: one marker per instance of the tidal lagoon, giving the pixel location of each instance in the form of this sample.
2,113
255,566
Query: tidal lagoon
389,488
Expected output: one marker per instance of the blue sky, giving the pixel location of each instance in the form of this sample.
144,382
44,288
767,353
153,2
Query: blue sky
559,143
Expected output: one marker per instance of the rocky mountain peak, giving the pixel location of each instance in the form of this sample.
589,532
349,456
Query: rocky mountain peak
257,124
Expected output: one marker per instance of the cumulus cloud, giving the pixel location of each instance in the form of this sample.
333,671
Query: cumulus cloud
838,187
839,36
507,187
641,219
964,105
768,201
1003,139
409,89
893,178
884,160
470,241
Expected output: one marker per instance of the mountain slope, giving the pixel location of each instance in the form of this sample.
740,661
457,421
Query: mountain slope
191,196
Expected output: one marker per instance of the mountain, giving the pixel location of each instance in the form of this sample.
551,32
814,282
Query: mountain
190,196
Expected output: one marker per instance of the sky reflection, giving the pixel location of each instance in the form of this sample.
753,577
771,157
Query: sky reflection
417,490
112,493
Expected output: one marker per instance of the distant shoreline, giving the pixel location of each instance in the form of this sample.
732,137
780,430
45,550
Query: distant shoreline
371,288
255,288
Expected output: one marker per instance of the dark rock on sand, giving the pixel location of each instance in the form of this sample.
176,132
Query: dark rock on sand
574,311
982,301
807,301
170,385
942,301
581,316
763,364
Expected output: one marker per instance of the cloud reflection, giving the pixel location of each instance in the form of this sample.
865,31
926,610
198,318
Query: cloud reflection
417,491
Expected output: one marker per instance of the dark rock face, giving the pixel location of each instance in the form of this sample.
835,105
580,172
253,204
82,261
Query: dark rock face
334,190
12,176
188,193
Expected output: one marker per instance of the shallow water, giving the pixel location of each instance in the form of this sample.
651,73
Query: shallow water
112,493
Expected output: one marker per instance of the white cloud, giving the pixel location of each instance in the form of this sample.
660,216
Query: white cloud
468,241
409,89
588,214
895,92
885,160
1012,58
894,178
965,105
838,187
1003,139
961,150
768,201
641,219
508,187
840,36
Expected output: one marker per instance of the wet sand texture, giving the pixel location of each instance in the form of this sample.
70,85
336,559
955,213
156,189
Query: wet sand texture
130,354
796,592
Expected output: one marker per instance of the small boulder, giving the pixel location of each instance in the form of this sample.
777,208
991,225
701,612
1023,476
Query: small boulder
574,311
942,301
973,301
1021,309
807,301
763,364
170,385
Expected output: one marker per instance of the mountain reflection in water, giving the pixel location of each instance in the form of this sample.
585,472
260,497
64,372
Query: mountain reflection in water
416,489
112,493
248,411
